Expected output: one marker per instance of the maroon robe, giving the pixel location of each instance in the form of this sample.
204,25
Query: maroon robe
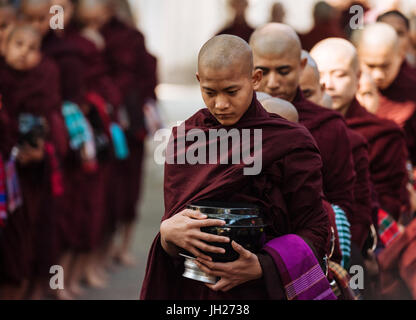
398,103
288,190
14,238
388,155
239,29
133,70
86,223
361,219
37,92
330,132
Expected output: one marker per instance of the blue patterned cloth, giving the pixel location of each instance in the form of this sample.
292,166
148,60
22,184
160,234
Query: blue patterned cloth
76,124
344,234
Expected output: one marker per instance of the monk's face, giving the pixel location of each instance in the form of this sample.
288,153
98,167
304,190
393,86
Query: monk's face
382,64
7,20
68,7
310,85
94,17
368,95
338,76
227,92
37,16
23,50
281,73
401,29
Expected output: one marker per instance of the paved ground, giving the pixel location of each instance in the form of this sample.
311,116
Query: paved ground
125,283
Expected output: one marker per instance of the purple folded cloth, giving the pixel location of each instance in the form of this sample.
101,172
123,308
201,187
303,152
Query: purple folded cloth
301,274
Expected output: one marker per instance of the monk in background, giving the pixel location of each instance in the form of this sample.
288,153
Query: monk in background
227,79
361,219
239,27
133,70
401,24
277,53
338,63
30,85
382,57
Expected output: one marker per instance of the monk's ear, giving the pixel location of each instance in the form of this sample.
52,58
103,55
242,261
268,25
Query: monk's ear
257,77
303,63
197,77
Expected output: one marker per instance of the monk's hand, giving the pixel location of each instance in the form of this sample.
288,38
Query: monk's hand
245,268
183,230
28,153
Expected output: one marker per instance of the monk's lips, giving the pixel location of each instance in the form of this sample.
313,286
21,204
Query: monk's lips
244,225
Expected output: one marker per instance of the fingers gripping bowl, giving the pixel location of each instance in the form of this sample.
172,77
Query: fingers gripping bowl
244,225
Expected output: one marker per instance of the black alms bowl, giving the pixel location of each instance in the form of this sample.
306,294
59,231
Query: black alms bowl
243,225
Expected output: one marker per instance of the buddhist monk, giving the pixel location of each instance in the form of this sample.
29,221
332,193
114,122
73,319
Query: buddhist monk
337,58
382,58
29,84
367,94
227,81
401,24
338,63
282,108
239,27
277,53
361,217
133,70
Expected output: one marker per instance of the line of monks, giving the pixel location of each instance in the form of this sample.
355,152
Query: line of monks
337,184
72,133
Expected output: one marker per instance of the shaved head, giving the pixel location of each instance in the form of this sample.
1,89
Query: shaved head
281,107
261,96
94,13
226,51
310,80
380,53
36,13
339,68
277,53
336,49
275,39
226,77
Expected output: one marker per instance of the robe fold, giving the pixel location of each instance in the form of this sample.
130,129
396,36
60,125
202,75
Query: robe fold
361,219
398,103
330,133
388,155
288,190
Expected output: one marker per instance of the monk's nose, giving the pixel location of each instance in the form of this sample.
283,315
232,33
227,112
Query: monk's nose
273,81
221,103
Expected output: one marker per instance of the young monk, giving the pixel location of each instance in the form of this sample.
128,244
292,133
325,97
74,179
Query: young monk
133,70
277,53
310,85
29,84
387,165
367,94
361,219
401,24
227,80
239,26
381,57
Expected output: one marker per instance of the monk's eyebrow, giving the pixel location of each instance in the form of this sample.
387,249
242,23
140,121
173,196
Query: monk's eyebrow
231,88
208,89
